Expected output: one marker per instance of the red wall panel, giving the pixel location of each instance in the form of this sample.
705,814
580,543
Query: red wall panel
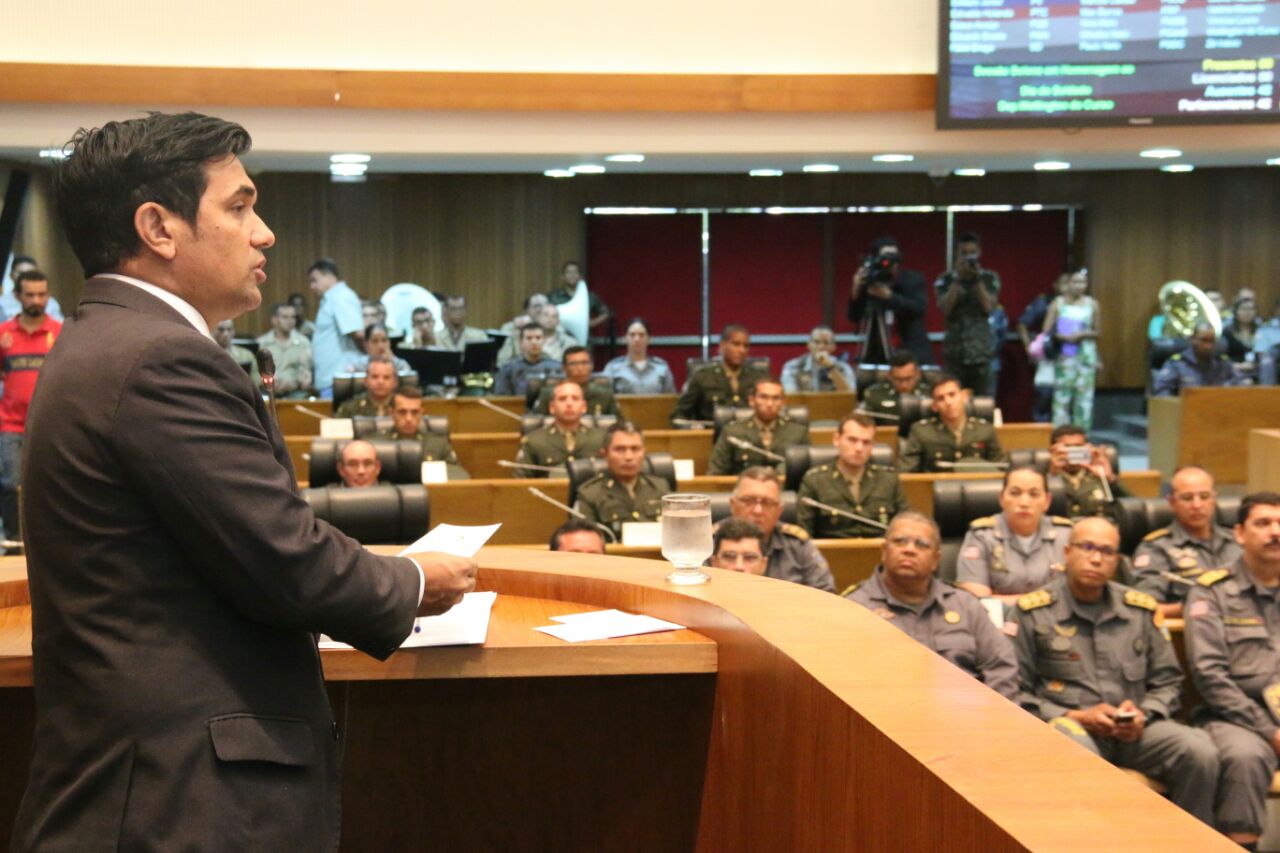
766,272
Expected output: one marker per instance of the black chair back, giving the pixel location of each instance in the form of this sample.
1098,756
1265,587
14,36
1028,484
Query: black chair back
1039,458
912,408
580,470
364,426
1140,516
378,515
401,460
956,503
720,508
802,457
728,414
347,385
533,421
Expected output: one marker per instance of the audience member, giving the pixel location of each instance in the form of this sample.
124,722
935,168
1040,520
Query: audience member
948,621
905,377
950,436
1241,333
1232,619
570,274
380,381
1074,320
305,326
10,304
358,465
456,334
790,554
883,294
1030,330
576,363
967,294
377,341
564,440
555,339
512,379
407,425
25,340
1095,665
371,311
624,492
738,545
637,372
1091,485
819,370
768,429
1199,365
223,335
291,351
1194,544
1019,549
422,335
725,382
339,334
578,537
510,350
852,486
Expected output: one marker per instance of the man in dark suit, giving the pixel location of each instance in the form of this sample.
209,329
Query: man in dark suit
176,578
882,288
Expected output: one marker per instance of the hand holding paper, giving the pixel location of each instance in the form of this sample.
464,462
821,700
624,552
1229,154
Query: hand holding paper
449,572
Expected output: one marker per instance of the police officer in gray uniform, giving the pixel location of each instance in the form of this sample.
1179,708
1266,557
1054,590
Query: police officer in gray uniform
767,429
947,620
951,436
1019,549
1094,665
791,554
1232,618
564,440
850,486
1191,546
624,492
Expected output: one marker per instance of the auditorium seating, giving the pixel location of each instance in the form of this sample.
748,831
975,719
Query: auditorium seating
347,385
580,470
727,414
802,457
533,421
363,426
401,460
377,515
912,408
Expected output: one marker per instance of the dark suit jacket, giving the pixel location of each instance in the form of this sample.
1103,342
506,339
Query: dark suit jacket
909,299
176,583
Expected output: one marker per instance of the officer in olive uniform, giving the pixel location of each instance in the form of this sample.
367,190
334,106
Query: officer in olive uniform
878,496
993,557
363,406
931,442
624,492
725,382
768,429
555,446
882,398
1087,495
600,400
380,383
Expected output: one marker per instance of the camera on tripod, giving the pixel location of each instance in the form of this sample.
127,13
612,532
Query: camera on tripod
880,267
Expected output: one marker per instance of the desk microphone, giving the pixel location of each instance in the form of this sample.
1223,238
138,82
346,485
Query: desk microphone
267,369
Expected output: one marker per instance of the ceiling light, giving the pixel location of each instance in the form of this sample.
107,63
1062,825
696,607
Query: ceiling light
893,158
1052,166
821,167
765,173
559,173
587,169
54,153
1160,153
349,158
625,158
1178,167
970,173
348,169
346,179
1033,208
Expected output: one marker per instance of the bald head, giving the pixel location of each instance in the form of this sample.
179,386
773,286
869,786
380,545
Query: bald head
1193,497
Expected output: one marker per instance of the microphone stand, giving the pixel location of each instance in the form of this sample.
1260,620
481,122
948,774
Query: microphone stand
538,493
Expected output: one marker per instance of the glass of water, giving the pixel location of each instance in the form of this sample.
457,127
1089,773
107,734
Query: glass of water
686,537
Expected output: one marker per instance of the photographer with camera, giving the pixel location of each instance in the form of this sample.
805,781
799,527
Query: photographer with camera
883,295
1091,485
967,296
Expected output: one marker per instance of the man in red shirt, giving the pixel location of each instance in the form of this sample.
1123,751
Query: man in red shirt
25,340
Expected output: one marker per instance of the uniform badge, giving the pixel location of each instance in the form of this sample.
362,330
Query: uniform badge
1142,561
883,612
1060,644
973,552
1097,494
1198,609
952,617
1066,630
1187,563
1055,686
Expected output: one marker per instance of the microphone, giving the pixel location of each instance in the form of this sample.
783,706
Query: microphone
837,511
267,369
746,445
541,495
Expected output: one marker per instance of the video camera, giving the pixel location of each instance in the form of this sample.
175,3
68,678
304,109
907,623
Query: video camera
880,268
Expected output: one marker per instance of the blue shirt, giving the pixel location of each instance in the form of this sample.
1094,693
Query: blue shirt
655,378
339,316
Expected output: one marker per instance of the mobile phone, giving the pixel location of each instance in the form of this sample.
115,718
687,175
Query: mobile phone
1079,455
1124,718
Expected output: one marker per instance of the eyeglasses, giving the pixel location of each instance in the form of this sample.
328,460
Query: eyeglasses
758,503
1104,551
904,541
749,559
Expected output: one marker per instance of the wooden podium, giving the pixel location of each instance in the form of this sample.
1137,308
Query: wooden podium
784,719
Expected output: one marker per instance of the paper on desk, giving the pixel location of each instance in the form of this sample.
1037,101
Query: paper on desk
604,625
465,624
454,539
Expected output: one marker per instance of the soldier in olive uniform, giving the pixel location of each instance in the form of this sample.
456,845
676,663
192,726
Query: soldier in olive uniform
904,378
624,492
1018,550
380,381
950,436
1232,618
1094,665
949,621
566,439
577,367
768,429
789,552
407,425
725,382
967,295
1192,545
850,484
1092,489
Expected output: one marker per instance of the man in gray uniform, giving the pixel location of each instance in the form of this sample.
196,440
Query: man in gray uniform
949,621
1200,365
1233,614
950,436
725,382
767,429
1191,546
624,492
852,485
791,554
566,439
1094,665
513,377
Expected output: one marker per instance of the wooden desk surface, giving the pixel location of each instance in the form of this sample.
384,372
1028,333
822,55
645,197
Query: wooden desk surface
1215,424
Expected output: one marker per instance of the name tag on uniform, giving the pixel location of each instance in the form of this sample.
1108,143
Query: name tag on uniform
643,534
434,471
337,428
684,468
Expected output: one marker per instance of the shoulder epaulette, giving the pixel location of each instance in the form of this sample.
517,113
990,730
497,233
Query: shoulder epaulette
797,531
983,523
596,479
1060,520
1137,598
1210,578
1156,534
850,589
1034,600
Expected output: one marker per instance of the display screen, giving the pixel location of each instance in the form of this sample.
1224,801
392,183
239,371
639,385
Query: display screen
1052,63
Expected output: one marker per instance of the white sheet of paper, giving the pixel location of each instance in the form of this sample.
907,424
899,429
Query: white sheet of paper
604,625
337,428
647,534
434,471
995,609
684,468
454,539
465,624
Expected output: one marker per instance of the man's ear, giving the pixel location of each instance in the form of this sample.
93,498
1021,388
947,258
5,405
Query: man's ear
155,225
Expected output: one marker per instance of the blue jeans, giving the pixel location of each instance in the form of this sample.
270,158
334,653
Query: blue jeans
10,479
